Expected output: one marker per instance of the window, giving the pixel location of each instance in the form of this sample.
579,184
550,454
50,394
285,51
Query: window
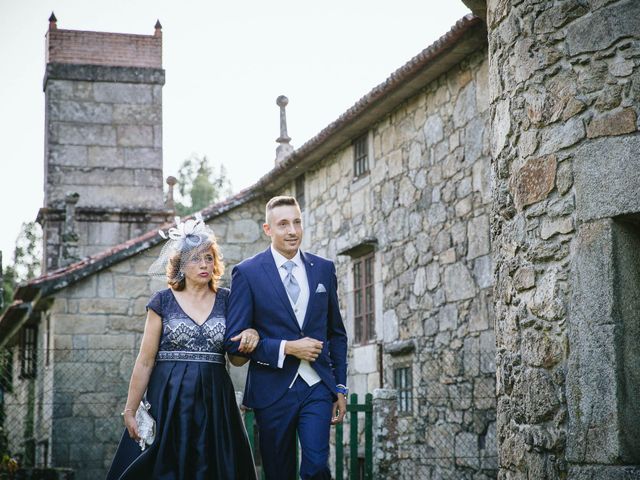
364,304
42,454
300,191
360,156
403,383
28,352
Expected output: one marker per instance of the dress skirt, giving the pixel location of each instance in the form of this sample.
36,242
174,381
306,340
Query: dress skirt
199,431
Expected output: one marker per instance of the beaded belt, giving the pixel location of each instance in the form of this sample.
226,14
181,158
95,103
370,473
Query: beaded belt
177,356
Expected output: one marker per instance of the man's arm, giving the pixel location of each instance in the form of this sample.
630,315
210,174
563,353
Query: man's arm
337,337
240,316
336,333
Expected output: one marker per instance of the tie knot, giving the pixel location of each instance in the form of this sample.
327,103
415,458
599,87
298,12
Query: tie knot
288,266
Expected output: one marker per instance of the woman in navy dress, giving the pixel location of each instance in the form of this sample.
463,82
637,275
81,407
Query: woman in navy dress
181,366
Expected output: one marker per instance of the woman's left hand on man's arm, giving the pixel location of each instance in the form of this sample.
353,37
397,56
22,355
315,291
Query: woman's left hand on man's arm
249,339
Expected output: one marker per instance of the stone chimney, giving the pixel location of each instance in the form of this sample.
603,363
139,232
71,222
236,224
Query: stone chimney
285,148
103,115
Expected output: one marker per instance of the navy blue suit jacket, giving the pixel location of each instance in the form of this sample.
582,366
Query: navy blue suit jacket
259,300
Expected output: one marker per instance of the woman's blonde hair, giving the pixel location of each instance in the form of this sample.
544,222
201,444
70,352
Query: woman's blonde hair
175,277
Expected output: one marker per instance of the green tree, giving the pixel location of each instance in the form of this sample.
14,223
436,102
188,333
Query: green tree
27,256
8,287
26,260
200,184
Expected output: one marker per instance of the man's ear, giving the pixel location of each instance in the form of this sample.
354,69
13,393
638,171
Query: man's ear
267,229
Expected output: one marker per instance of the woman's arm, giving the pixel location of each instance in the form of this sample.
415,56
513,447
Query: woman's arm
142,370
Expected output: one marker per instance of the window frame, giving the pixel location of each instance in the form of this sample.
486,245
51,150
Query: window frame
361,156
364,318
28,351
403,384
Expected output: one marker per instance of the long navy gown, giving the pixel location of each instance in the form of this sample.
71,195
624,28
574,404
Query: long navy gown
199,431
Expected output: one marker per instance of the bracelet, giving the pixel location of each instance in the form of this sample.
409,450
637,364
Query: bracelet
126,410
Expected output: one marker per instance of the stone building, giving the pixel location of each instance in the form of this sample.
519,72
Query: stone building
564,83
481,206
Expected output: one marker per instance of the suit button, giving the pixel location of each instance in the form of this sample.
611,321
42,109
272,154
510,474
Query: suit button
301,333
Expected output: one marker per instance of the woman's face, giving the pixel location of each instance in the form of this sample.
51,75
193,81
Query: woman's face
198,267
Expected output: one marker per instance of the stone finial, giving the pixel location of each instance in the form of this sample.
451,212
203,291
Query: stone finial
53,22
284,149
169,202
69,246
158,27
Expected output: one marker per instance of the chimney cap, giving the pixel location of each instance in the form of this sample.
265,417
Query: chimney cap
53,21
71,197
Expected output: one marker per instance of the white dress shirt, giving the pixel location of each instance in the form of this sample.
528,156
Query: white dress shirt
305,370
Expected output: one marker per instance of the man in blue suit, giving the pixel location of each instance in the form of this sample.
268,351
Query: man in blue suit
298,371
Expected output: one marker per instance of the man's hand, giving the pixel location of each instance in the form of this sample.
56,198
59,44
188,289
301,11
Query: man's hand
339,409
305,349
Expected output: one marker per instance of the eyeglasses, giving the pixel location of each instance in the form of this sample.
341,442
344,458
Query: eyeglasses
197,259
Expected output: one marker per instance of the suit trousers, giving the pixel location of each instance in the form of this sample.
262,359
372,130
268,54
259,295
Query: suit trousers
307,411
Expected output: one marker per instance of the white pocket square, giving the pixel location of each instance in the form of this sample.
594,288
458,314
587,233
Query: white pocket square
321,289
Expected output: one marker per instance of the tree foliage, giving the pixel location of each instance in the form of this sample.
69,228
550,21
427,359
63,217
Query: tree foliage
200,184
27,261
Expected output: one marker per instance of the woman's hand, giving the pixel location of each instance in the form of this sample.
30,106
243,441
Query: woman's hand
249,339
131,424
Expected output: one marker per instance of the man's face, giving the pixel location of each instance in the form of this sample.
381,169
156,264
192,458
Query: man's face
284,226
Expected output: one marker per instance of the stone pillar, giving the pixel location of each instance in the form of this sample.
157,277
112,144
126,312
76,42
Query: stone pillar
385,436
103,116
285,148
565,90
69,246
170,203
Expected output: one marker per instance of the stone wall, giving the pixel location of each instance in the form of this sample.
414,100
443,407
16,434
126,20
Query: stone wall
425,203
565,91
104,140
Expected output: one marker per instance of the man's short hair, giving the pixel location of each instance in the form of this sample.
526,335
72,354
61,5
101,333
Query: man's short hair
279,201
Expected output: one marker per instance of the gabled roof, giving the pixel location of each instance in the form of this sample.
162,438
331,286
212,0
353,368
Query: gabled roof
465,37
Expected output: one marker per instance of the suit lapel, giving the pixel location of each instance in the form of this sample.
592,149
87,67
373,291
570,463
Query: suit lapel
269,266
311,270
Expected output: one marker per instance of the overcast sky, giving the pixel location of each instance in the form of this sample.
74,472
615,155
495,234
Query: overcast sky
225,62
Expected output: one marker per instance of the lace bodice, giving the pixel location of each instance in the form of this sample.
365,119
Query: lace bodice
182,338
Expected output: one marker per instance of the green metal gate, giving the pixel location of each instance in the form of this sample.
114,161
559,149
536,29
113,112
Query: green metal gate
357,470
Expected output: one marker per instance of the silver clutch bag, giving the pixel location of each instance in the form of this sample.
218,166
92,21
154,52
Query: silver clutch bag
146,425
